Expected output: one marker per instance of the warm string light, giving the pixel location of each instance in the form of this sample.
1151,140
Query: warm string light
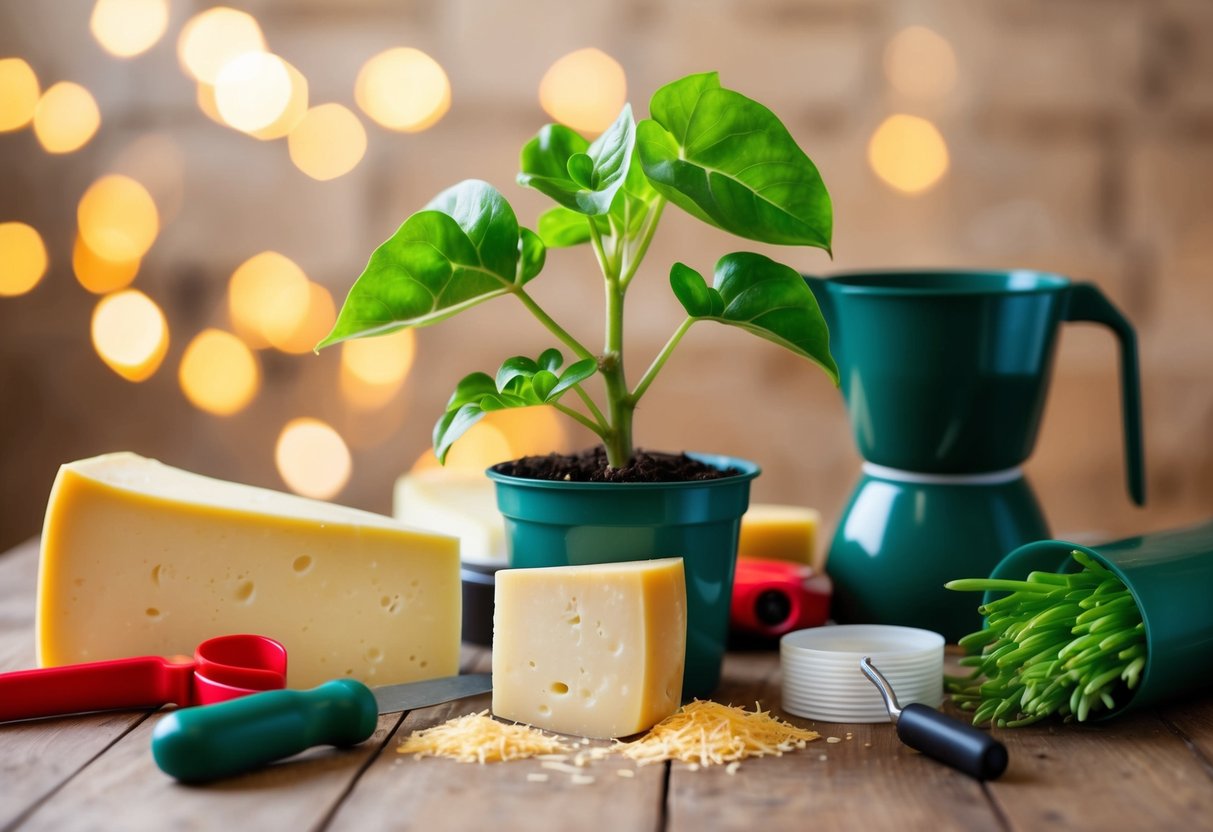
126,28
585,90
19,94
130,334
328,142
23,258
920,63
268,299
908,153
312,458
373,370
118,219
66,118
219,373
403,89
212,38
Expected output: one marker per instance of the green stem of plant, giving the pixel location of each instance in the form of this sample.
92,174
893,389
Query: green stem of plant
631,264
551,325
620,407
660,360
591,406
582,419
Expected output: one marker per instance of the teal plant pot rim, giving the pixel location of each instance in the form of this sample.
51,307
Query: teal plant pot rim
748,471
946,282
1056,556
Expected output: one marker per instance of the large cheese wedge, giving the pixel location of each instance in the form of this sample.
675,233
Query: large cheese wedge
596,651
139,558
780,532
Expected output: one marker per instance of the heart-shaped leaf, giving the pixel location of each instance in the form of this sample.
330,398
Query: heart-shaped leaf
729,161
519,382
562,227
757,294
462,250
581,176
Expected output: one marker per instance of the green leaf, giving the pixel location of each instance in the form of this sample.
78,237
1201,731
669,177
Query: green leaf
729,161
691,290
519,382
582,177
454,424
766,298
576,373
562,227
462,250
532,254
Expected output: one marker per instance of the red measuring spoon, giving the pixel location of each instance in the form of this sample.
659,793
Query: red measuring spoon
223,668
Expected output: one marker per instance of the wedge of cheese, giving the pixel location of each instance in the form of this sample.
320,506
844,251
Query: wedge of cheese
780,532
595,651
459,503
139,558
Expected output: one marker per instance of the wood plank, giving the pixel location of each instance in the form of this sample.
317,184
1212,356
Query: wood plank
39,756
1128,773
402,792
870,781
1192,722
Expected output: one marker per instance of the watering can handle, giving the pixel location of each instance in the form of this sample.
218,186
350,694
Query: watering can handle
1088,303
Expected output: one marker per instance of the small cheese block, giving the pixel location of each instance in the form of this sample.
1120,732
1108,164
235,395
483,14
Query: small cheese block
596,651
139,558
779,532
459,503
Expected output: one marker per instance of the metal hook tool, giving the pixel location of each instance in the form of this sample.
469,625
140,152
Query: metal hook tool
952,743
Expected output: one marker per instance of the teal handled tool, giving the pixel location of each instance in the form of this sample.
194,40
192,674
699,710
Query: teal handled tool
207,743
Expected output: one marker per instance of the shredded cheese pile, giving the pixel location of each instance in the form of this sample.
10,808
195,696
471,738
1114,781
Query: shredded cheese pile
708,733
478,738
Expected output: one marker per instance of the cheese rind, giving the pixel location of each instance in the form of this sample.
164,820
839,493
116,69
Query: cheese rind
595,651
780,532
139,558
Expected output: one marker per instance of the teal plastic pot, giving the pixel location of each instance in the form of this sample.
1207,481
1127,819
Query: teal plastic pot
556,523
1170,575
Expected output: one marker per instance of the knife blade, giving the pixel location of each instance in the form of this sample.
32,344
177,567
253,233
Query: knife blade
196,745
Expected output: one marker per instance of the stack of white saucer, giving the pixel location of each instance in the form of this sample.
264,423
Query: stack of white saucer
822,679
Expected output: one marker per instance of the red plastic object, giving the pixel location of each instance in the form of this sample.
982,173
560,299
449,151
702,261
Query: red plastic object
773,597
223,668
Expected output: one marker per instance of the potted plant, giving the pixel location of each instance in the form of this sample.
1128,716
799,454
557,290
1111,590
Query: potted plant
708,150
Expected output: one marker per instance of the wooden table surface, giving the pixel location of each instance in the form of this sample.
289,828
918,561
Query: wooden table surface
1147,771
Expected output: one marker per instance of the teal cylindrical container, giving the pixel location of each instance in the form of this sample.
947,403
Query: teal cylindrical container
1170,575
560,523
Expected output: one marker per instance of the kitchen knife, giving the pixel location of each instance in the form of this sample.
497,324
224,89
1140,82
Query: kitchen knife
207,743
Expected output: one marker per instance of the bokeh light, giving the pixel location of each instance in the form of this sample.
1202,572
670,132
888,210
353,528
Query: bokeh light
403,89
118,218
98,275
19,92
292,113
212,38
908,153
316,322
268,297
130,334
156,161
328,142
22,258
374,369
126,28
253,91
920,63
312,458
585,90
205,99
66,118
219,373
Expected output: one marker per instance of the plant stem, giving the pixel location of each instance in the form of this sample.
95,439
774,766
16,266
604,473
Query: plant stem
620,408
589,423
552,327
633,263
659,361
593,408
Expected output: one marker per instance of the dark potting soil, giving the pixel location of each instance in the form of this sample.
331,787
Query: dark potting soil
591,466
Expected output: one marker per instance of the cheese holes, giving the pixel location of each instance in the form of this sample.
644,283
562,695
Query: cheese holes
152,613
374,654
544,710
244,592
560,688
156,575
302,564
531,664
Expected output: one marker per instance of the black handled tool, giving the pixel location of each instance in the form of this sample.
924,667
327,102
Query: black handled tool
952,743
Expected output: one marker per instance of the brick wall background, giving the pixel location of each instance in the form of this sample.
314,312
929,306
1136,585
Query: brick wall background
1081,140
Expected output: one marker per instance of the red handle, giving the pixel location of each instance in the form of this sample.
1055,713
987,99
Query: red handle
145,682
